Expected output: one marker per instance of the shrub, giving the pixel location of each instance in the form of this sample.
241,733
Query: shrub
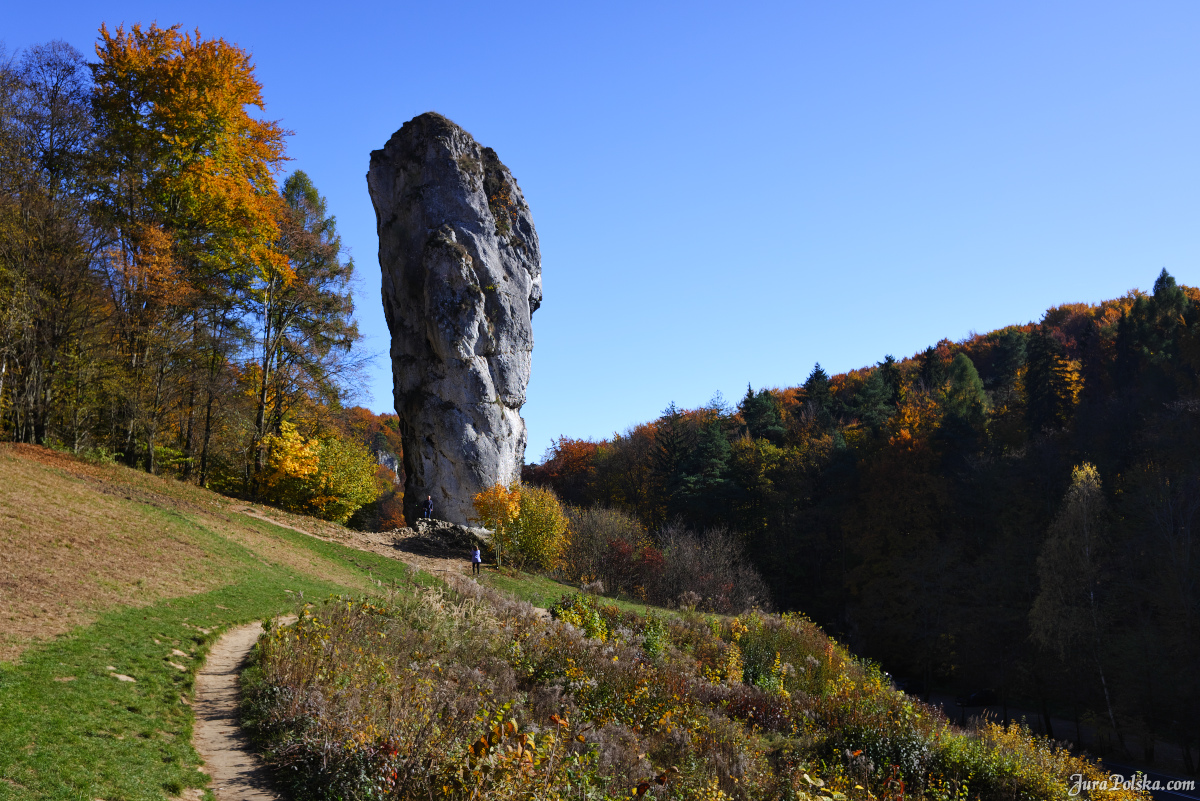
706,571
540,530
329,478
592,533
712,565
391,511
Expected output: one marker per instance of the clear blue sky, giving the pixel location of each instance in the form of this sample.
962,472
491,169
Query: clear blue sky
727,193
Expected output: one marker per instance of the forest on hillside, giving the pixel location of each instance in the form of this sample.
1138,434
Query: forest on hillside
1014,511
166,300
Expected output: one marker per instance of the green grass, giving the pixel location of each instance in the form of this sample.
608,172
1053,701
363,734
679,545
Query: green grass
98,737
542,591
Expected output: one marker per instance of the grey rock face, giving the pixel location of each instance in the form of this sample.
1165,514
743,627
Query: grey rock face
461,278
450,535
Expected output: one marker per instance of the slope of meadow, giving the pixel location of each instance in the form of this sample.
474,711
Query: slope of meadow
110,572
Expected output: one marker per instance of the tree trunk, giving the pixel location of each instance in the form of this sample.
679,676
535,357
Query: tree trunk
207,434
1112,718
187,434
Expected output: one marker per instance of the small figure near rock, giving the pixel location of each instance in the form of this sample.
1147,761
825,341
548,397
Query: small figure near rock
476,561
428,507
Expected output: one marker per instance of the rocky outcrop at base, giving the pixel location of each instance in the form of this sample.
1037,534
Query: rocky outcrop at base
450,536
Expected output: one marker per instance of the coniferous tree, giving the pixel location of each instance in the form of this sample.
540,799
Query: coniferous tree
889,371
704,485
304,311
931,371
965,398
965,405
1051,383
872,403
818,394
1009,357
672,447
761,413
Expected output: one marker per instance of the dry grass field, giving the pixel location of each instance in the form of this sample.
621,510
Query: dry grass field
113,585
80,539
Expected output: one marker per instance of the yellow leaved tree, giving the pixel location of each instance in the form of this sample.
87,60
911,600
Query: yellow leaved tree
528,521
497,508
292,462
185,189
540,533
330,478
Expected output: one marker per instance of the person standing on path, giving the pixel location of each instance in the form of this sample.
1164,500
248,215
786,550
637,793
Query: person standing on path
428,507
476,561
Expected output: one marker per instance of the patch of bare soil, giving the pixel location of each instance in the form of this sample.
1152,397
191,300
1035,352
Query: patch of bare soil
236,771
423,553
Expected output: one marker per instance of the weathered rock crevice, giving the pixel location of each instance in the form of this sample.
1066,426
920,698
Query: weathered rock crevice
461,279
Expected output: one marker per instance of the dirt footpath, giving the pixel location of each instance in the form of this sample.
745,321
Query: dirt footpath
236,771
402,544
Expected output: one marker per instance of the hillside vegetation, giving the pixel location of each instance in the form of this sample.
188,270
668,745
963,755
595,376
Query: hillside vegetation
1017,510
397,684
465,694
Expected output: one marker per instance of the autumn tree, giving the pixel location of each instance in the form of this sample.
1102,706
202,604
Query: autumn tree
292,462
49,307
1052,383
566,468
303,311
185,187
497,508
330,478
344,481
1070,614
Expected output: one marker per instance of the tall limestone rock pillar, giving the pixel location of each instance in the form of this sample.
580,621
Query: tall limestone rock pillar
462,276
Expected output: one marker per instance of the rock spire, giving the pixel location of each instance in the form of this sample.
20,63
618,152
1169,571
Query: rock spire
461,278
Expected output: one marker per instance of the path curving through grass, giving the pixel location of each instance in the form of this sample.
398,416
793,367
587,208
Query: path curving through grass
236,772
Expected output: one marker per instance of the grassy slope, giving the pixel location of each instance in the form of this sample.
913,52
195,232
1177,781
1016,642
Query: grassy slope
112,568
543,592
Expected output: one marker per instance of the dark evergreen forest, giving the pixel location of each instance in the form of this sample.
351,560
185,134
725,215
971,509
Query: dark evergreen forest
1015,511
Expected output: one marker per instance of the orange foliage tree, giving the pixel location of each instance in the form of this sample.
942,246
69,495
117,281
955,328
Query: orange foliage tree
178,155
497,508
